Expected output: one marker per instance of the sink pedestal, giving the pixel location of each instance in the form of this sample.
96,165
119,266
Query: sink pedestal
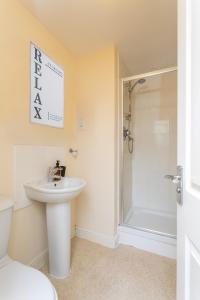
59,238
57,196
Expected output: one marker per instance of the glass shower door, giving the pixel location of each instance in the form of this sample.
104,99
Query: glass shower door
149,200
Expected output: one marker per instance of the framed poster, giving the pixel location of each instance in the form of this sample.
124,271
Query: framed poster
47,90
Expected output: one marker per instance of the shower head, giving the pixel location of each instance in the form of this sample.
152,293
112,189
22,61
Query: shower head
139,81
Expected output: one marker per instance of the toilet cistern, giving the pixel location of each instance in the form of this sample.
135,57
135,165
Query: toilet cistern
57,195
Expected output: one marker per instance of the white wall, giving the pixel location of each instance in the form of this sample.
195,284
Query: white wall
96,103
18,28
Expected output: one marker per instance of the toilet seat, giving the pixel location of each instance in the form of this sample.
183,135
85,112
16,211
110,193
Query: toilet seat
20,282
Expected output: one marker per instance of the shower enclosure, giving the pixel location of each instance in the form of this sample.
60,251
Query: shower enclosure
149,139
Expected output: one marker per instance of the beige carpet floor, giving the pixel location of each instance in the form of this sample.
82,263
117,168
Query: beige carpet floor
125,273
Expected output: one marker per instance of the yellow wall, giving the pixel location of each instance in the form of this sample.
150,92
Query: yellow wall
90,94
17,28
96,101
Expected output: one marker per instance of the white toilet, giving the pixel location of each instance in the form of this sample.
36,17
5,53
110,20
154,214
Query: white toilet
17,281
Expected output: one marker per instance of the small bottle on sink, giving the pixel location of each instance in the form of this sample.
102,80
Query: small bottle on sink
57,171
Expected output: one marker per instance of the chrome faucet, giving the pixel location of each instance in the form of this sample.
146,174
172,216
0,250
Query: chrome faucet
54,174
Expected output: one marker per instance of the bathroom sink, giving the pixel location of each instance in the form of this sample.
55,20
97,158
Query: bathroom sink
57,198
55,192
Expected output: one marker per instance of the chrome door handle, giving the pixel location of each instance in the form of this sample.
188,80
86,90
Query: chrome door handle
178,180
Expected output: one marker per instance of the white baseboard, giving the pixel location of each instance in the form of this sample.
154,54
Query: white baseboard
96,237
161,245
150,242
40,260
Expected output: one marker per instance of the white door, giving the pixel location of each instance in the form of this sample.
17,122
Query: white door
188,235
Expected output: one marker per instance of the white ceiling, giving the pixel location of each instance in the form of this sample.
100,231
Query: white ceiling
143,30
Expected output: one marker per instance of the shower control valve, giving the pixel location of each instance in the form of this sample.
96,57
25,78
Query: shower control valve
126,132
174,178
178,181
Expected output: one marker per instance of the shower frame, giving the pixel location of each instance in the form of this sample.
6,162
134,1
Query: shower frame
120,138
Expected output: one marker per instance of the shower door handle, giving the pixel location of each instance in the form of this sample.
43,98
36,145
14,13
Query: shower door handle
178,181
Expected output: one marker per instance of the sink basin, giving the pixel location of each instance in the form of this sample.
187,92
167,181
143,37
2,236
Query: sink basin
57,197
55,192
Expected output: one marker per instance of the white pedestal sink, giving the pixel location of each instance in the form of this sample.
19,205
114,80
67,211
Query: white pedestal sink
57,196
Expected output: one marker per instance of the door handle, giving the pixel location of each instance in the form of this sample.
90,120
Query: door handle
178,181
